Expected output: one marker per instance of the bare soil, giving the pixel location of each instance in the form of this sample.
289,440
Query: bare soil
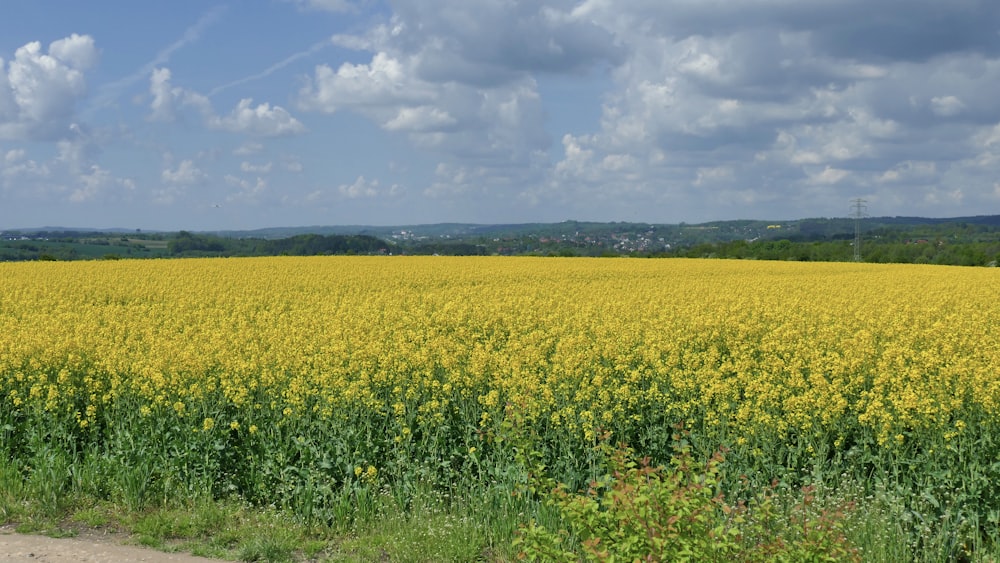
93,547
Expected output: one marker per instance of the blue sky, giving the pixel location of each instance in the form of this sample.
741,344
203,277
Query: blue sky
208,115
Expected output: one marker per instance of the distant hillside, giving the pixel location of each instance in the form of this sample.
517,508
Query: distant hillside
959,240
737,228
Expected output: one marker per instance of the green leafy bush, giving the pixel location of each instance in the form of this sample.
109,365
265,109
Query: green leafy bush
640,512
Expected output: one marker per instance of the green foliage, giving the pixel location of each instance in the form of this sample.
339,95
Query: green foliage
638,512
189,244
802,532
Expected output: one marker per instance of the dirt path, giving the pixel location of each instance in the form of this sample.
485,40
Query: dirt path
19,548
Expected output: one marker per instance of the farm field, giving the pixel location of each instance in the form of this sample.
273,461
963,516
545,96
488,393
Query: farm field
324,387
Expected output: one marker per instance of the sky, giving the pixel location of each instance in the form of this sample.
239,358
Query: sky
205,115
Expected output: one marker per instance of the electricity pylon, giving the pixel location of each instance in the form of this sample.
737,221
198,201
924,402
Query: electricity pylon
859,212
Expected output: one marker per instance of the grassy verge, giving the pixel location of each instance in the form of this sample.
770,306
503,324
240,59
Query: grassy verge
236,531
826,521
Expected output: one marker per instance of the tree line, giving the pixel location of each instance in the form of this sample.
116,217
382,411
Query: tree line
189,244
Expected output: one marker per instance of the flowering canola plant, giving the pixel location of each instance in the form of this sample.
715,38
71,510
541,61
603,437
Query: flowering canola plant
361,367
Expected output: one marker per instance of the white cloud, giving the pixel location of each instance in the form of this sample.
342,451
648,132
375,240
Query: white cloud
247,191
914,172
946,106
711,175
78,152
164,96
14,155
384,81
168,100
699,91
452,181
488,44
261,121
576,155
500,125
167,195
39,91
828,175
668,111
256,168
421,118
18,167
701,65
248,148
100,184
76,50
986,143
360,188
990,138
185,174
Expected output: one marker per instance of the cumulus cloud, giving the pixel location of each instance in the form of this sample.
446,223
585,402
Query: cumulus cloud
248,148
420,118
782,97
484,43
382,82
261,121
168,100
256,168
706,109
360,188
946,106
678,110
246,191
17,169
76,154
39,89
162,107
459,78
70,175
76,50
501,124
454,180
185,174
914,172
14,155
828,175
96,182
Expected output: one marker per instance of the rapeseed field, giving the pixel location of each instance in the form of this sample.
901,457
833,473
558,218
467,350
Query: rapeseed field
302,383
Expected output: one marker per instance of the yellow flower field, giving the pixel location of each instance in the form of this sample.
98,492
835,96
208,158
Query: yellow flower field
424,358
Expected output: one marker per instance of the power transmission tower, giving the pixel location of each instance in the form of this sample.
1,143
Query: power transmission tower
858,212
